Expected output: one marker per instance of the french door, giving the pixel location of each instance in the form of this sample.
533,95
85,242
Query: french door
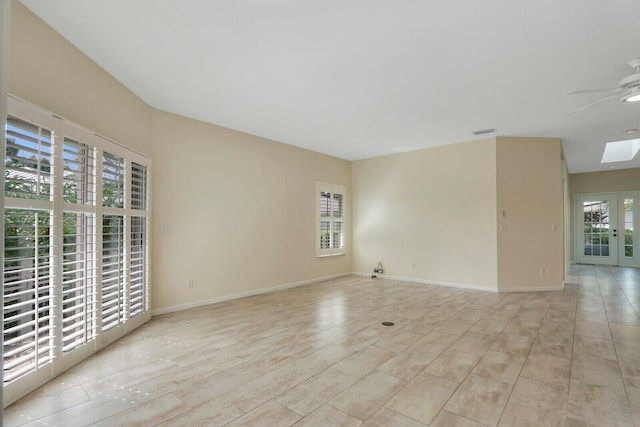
606,229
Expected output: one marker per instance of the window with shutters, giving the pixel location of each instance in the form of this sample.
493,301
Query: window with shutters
139,254
330,219
114,294
76,245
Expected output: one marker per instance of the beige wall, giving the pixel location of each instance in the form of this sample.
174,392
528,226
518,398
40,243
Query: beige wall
605,182
237,212
530,213
49,72
600,182
434,208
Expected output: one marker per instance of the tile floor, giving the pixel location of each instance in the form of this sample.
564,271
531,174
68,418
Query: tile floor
318,355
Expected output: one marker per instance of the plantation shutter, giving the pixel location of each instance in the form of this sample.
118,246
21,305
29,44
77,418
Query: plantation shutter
139,254
79,269
330,219
28,250
27,164
76,245
79,299
113,274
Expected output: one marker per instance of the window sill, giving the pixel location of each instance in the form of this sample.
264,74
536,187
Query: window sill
330,255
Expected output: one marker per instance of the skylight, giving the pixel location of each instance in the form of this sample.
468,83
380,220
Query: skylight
620,151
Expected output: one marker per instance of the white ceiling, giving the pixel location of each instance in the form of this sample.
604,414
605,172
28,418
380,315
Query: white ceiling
363,78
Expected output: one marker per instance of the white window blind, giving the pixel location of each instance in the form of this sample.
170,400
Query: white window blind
330,223
139,266
114,297
112,181
76,256
28,297
138,187
79,172
79,300
27,164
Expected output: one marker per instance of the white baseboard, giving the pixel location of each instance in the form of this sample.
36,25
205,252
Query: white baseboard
467,285
433,282
201,303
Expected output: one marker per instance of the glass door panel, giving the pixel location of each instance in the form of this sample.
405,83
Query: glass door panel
627,238
596,220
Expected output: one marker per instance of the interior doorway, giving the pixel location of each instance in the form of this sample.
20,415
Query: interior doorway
606,228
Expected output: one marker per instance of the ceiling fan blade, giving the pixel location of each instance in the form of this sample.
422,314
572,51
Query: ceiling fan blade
600,101
576,92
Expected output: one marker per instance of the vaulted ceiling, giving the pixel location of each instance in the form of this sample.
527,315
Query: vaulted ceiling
363,78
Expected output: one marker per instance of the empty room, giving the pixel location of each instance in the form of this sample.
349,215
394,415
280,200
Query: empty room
320,214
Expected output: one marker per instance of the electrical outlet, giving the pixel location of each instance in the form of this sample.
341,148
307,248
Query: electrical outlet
190,283
413,265
542,271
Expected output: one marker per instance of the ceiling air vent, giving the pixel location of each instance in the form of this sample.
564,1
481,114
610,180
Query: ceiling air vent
483,131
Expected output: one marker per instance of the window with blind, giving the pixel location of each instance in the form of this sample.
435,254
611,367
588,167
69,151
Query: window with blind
330,219
76,255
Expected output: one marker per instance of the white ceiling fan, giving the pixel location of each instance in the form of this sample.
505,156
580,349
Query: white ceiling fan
628,89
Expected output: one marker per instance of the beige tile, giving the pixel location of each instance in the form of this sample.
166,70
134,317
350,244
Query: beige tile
368,395
633,393
596,347
480,399
398,340
38,404
513,344
537,402
435,342
472,342
472,314
598,405
595,371
557,327
388,418
364,361
269,414
316,391
149,413
524,327
626,316
593,316
453,365
92,411
501,367
559,346
531,314
553,314
422,325
510,421
625,332
627,349
215,412
449,419
328,416
455,326
271,355
423,397
258,391
408,363
489,327
569,307
551,369
593,329
630,369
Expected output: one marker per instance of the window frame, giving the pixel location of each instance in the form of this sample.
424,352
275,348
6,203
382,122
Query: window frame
69,350
332,189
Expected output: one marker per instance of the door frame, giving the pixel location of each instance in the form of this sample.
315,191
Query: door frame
618,221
